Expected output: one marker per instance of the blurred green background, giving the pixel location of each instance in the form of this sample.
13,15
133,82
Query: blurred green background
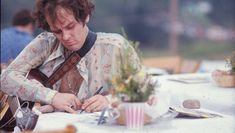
196,29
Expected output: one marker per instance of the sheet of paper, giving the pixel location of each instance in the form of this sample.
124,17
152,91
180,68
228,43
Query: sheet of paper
59,120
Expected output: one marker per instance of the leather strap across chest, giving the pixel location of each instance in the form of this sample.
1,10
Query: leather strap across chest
69,63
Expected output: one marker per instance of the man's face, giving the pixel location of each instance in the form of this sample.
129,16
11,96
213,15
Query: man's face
68,30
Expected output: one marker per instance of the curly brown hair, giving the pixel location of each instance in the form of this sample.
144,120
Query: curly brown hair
80,8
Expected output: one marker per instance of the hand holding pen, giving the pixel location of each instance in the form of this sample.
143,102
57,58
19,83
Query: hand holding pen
95,103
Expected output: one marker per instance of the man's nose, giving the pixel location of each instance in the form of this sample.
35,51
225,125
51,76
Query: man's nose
66,35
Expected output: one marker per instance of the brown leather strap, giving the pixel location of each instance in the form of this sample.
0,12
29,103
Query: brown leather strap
72,60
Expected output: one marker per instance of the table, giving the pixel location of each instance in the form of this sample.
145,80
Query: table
209,94
214,98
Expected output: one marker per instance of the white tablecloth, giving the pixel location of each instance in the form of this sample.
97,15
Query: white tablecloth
211,97
209,94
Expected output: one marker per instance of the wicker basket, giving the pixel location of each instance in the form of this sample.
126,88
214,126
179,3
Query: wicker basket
224,78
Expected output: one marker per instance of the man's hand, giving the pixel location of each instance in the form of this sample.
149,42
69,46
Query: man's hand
66,102
95,103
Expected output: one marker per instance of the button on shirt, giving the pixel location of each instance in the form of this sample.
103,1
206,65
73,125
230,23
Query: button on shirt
13,42
97,67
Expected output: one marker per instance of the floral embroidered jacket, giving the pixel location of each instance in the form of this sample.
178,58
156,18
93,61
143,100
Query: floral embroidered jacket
96,67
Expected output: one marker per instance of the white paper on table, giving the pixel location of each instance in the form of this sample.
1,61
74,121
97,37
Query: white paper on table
59,120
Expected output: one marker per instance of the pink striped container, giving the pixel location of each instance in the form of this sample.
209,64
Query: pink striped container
134,115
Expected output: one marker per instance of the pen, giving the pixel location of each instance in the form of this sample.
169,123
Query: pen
97,92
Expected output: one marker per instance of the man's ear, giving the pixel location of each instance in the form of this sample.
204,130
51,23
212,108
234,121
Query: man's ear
87,19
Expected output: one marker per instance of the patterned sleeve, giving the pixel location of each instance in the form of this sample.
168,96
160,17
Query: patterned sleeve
13,79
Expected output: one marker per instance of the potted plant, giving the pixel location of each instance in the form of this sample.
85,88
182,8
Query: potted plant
226,78
133,89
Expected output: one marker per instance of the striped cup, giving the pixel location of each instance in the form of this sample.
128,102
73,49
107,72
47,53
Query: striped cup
134,115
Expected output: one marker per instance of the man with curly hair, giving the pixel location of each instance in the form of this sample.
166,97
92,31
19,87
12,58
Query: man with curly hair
65,22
